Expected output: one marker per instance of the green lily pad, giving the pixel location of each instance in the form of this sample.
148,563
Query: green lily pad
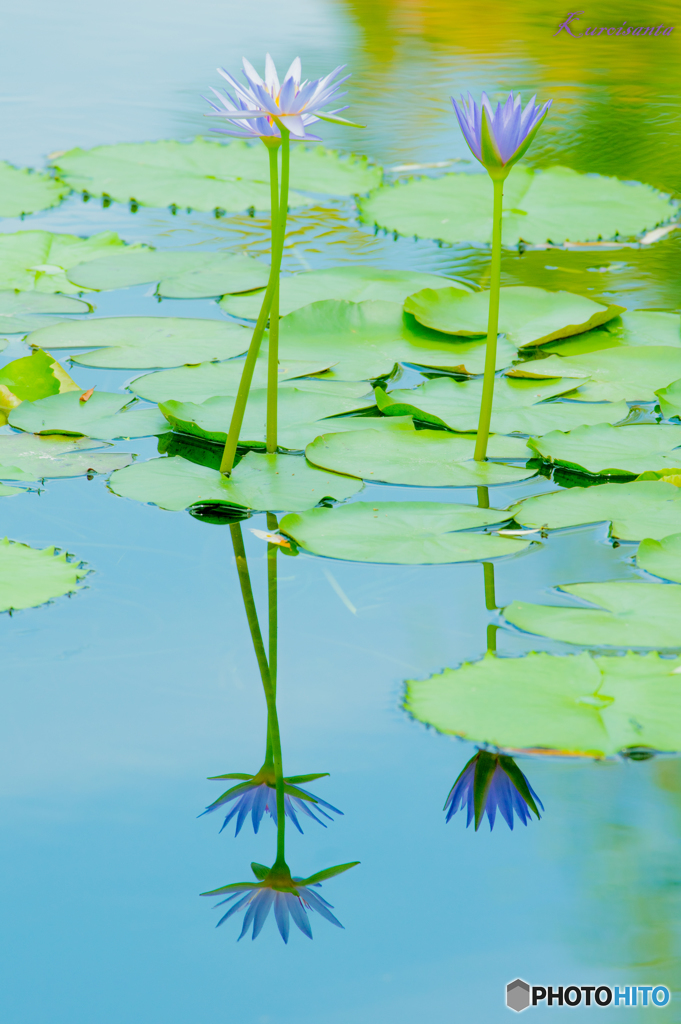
182,274
364,340
630,374
669,400
29,577
456,404
527,316
282,483
144,342
458,207
34,457
424,458
295,409
612,451
207,175
636,510
354,283
576,704
639,327
39,260
404,533
103,415
23,191
32,377
628,614
206,380
8,492
661,557
21,312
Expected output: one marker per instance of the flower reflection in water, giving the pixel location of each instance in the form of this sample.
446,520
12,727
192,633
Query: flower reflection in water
257,795
491,782
276,888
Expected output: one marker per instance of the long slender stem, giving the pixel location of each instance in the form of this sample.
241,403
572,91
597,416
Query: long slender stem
273,357
267,684
232,441
492,327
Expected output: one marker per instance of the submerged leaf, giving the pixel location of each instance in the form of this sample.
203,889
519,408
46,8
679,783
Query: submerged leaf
29,577
282,483
458,207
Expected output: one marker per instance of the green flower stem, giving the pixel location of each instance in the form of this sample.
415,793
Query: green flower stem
277,249
492,328
274,738
272,549
273,357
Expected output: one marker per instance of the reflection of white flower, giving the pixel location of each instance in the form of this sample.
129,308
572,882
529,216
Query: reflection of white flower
261,106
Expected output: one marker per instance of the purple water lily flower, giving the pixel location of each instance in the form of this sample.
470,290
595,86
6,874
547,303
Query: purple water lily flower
491,782
498,138
258,109
256,795
276,888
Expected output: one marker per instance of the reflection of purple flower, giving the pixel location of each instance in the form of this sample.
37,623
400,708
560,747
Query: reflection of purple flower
498,138
256,795
289,896
294,104
490,782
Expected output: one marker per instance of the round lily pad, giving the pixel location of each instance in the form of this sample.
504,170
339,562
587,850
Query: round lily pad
283,483
39,260
424,458
364,340
103,415
527,316
630,374
144,342
354,283
628,614
458,207
405,533
577,704
207,175
636,510
24,191
661,557
29,577
612,451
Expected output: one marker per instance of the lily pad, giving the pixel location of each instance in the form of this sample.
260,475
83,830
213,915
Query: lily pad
282,483
354,283
612,451
669,399
456,404
404,533
21,312
207,175
639,327
24,191
527,316
424,458
29,577
206,380
33,457
103,415
576,704
630,374
295,408
182,274
39,260
628,614
636,510
8,492
364,340
661,557
458,207
144,342
32,377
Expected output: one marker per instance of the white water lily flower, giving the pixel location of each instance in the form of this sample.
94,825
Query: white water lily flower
259,108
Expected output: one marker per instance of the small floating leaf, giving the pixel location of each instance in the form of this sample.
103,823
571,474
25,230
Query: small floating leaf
105,415
612,451
32,377
29,577
23,191
282,483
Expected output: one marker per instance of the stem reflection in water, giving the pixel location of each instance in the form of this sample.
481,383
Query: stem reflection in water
275,886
